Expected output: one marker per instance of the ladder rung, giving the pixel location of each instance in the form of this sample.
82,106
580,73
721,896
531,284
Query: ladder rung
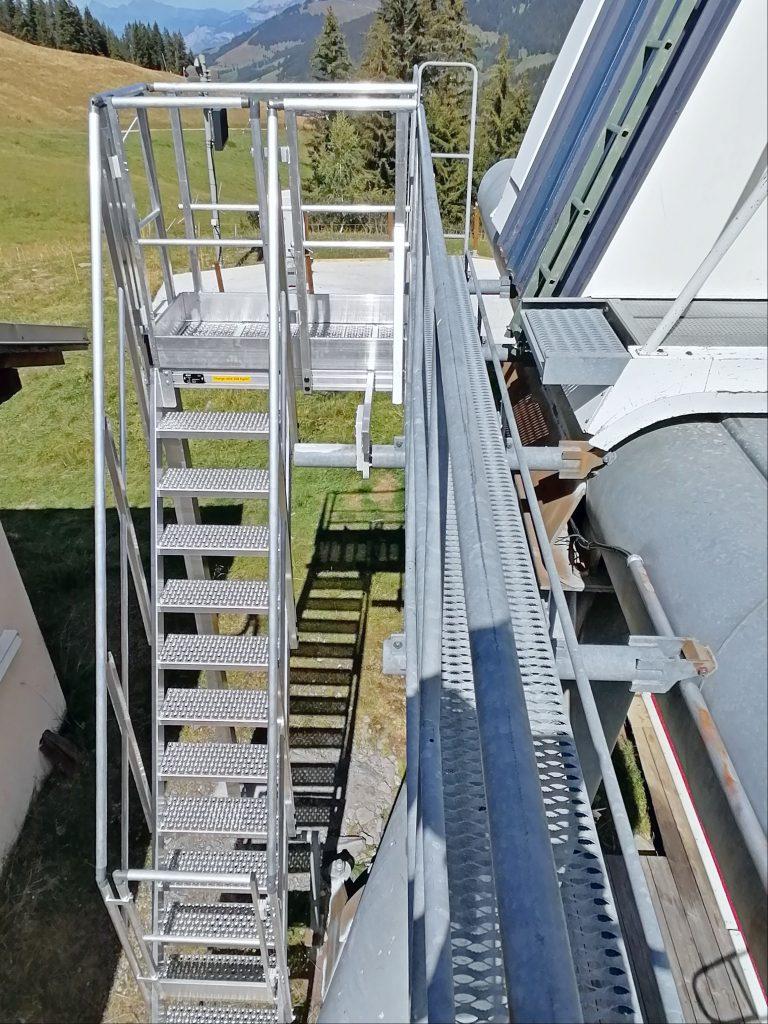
229,595
214,706
231,762
244,818
206,482
225,925
204,539
213,652
215,425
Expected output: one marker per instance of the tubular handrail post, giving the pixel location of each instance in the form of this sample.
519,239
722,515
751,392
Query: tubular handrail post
649,921
470,154
99,502
124,637
506,743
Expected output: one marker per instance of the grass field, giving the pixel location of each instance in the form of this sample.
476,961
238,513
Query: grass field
58,953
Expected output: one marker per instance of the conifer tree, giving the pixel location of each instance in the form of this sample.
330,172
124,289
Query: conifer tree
330,58
505,110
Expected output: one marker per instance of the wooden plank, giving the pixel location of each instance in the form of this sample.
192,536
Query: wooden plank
634,940
676,967
714,939
715,985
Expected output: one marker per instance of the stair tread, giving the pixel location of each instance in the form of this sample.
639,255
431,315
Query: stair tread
234,762
214,539
211,424
211,481
219,706
244,818
214,651
220,862
213,967
227,595
218,1013
218,924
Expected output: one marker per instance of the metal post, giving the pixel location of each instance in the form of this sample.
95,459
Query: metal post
124,638
185,194
297,222
398,255
99,498
725,770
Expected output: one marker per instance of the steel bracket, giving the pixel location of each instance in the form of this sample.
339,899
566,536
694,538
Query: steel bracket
579,460
650,664
393,659
363,447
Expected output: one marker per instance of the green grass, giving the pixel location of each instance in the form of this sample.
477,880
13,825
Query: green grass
58,952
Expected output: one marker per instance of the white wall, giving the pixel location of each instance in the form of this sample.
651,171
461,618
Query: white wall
697,180
31,701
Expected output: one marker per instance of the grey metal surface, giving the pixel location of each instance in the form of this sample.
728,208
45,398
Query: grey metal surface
227,595
214,425
371,978
218,1013
215,976
215,651
707,322
573,345
222,540
227,925
199,860
214,706
602,970
233,762
225,816
200,482
707,564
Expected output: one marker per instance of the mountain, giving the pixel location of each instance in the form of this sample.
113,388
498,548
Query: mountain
204,24
281,46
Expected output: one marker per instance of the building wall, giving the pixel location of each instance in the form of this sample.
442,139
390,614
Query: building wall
31,701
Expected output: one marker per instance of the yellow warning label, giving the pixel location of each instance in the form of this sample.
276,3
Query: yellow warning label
232,378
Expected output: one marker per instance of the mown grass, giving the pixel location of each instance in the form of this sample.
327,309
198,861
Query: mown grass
58,953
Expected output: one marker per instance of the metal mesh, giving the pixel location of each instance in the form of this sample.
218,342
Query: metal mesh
215,923
245,818
219,862
199,481
214,651
180,538
242,762
214,424
216,706
575,331
215,595
218,1013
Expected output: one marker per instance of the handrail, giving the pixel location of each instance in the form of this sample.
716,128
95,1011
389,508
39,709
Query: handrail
523,866
649,921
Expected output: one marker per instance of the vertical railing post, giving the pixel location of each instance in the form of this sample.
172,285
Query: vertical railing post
99,497
398,255
124,637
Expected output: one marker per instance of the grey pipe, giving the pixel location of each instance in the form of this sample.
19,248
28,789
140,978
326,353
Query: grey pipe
724,768
544,458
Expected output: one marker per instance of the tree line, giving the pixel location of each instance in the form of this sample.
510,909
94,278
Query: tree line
61,25
351,158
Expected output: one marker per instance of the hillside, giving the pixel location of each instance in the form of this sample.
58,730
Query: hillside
50,88
281,47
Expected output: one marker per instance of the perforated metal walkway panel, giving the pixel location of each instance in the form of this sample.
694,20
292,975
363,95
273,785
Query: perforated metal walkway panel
599,956
573,345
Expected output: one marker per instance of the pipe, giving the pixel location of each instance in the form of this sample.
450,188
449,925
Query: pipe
99,497
664,979
538,966
316,104
725,770
276,89
344,456
691,288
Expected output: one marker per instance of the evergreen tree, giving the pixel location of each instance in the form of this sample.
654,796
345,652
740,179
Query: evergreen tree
94,36
7,16
330,58
405,23
505,110
69,27
339,172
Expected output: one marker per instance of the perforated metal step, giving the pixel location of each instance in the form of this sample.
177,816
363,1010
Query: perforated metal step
214,652
245,818
216,1013
206,482
211,706
232,762
218,862
224,541
215,425
573,345
216,976
224,925
235,596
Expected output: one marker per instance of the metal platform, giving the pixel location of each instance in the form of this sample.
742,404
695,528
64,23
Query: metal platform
573,345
